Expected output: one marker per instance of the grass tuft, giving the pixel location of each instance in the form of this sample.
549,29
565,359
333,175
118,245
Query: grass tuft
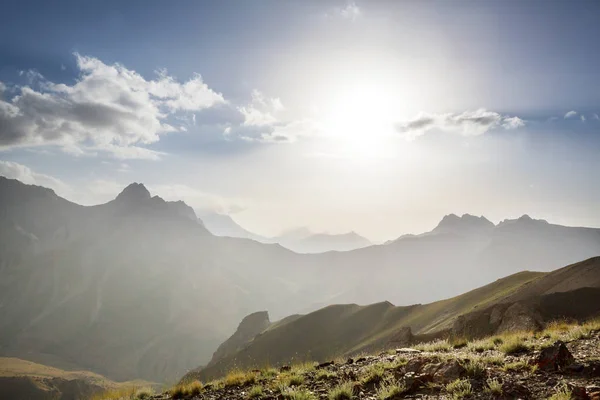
459,389
514,344
343,391
297,394
493,387
256,392
390,390
562,394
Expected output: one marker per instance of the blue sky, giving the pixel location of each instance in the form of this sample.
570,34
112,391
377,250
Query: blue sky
378,117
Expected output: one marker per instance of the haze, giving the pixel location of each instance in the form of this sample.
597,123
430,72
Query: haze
374,117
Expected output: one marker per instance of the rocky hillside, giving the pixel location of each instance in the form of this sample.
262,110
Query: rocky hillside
560,362
138,288
20,379
524,301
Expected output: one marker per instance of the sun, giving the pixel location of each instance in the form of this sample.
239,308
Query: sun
360,121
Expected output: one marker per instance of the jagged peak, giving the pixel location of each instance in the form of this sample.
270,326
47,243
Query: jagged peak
134,192
453,221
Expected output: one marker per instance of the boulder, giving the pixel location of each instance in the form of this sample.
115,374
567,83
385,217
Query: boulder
555,357
450,371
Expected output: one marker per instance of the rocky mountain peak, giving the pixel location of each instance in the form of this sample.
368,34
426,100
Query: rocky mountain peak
135,192
468,222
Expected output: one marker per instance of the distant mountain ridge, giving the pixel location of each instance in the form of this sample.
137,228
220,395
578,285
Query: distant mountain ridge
521,301
300,240
138,288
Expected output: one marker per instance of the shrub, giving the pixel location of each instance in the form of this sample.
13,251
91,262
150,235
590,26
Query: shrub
494,387
389,390
459,389
291,394
343,391
373,374
256,392
514,344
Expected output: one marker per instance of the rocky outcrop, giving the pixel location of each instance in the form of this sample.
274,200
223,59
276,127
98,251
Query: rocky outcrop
251,325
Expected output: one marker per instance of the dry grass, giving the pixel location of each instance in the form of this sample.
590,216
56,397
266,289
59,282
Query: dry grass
390,390
239,378
125,393
186,390
374,373
459,389
435,346
256,392
493,387
562,394
343,391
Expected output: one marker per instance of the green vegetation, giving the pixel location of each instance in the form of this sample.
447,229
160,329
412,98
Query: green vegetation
239,378
374,373
324,374
297,394
562,394
435,346
494,387
256,392
389,390
343,391
514,344
459,389
291,379
186,390
475,368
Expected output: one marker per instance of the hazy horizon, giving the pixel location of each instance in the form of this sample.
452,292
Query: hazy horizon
338,116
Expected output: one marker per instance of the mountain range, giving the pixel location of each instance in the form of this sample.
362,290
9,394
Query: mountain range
300,240
139,288
523,301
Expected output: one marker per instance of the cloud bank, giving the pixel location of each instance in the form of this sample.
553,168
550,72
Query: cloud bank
108,109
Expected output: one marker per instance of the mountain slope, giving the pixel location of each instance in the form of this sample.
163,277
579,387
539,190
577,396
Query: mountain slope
20,379
349,329
137,287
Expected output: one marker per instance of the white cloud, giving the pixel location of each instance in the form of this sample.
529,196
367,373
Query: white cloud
582,118
13,170
468,123
570,114
596,117
261,110
108,109
350,11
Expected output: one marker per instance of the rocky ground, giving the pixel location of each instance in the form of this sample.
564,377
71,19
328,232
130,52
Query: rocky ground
557,364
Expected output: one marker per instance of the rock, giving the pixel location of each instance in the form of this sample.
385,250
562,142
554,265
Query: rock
407,350
350,361
361,359
521,317
414,365
413,381
593,392
555,357
575,367
325,364
449,372
577,392
431,369
285,368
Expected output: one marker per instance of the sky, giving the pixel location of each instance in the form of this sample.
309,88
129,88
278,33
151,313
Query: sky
377,117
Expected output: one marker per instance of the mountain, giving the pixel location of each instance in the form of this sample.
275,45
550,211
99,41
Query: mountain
224,225
322,242
512,303
138,288
20,379
300,240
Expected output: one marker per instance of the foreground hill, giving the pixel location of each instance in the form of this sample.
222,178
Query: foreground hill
138,288
561,362
521,301
20,379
